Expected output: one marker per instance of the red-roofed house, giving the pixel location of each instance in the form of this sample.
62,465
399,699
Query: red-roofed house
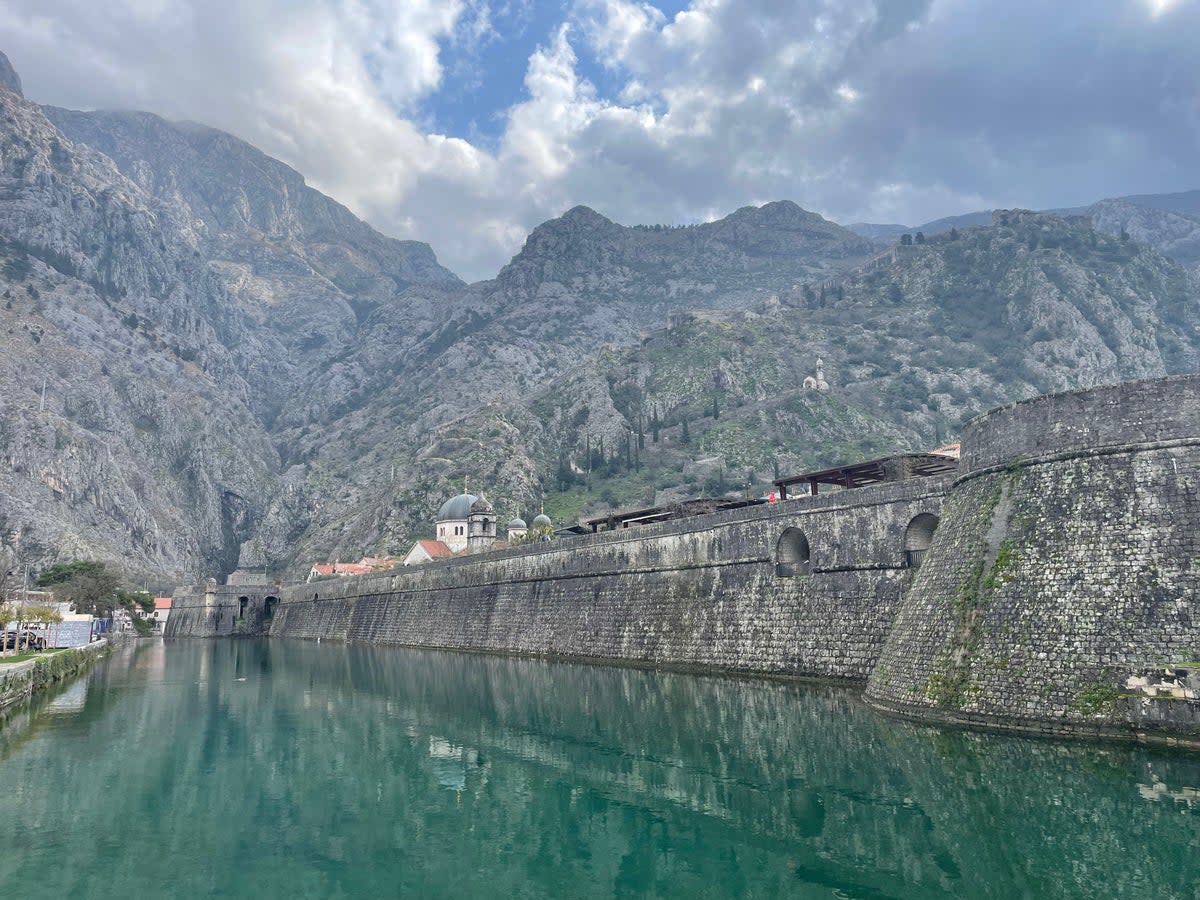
379,562
427,551
162,609
351,569
320,570
344,570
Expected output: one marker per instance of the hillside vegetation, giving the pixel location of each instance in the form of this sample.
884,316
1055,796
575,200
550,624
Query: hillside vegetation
208,364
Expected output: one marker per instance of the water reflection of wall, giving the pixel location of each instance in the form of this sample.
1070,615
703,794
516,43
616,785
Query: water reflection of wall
325,770
821,788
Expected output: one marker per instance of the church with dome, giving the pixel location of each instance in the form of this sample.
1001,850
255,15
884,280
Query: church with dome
468,524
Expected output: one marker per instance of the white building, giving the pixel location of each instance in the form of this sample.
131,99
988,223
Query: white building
451,522
162,611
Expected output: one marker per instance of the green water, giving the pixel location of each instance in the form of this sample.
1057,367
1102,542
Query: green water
295,770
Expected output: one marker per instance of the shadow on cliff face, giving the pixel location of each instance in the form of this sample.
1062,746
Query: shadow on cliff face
237,525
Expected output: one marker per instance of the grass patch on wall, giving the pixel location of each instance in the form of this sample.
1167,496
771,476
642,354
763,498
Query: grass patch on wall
1095,700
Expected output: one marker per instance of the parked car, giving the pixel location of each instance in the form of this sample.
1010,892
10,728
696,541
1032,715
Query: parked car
26,639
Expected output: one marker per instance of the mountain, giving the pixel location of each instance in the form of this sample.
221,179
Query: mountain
454,406
886,234
1185,203
9,78
156,323
913,346
293,260
210,365
1174,232
1168,222
883,233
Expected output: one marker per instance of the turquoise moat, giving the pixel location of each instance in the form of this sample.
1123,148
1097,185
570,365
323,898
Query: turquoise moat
294,769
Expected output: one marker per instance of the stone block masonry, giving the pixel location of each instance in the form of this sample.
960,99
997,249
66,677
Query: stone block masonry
230,610
1059,593
20,681
1067,564
699,592
692,593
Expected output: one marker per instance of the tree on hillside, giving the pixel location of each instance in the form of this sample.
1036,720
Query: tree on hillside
920,237
906,240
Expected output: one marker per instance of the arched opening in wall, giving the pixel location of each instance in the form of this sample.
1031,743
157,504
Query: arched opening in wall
792,554
269,605
917,538
242,601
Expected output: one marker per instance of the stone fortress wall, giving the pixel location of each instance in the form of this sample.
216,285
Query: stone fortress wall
699,592
1061,589
1059,592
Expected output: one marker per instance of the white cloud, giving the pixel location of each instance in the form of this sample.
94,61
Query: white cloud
862,109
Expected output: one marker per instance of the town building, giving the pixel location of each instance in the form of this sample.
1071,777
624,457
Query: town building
365,566
162,611
427,551
468,523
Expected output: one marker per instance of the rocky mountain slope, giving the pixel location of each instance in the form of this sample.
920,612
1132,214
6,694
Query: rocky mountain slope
580,283
150,340
912,346
208,364
1170,223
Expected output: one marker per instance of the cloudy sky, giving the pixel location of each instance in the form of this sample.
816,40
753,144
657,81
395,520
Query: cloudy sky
467,122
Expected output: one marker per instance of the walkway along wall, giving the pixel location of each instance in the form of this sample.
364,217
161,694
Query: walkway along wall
1060,592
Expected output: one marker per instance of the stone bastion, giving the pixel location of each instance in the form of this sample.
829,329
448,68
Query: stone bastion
1060,591
1050,585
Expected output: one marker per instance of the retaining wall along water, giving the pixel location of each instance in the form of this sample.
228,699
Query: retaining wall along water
1059,593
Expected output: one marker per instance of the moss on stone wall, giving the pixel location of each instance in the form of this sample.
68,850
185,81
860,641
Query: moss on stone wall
1096,699
18,686
1091,579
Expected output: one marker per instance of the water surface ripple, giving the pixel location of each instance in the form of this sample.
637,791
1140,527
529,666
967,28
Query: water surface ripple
296,770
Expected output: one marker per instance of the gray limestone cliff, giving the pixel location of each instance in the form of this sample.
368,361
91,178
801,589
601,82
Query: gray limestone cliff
8,76
203,351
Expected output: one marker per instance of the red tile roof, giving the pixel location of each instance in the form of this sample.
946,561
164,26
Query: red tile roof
436,549
323,568
162,602
351,569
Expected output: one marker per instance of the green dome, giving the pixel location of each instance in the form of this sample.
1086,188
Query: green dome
541,521
517,522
